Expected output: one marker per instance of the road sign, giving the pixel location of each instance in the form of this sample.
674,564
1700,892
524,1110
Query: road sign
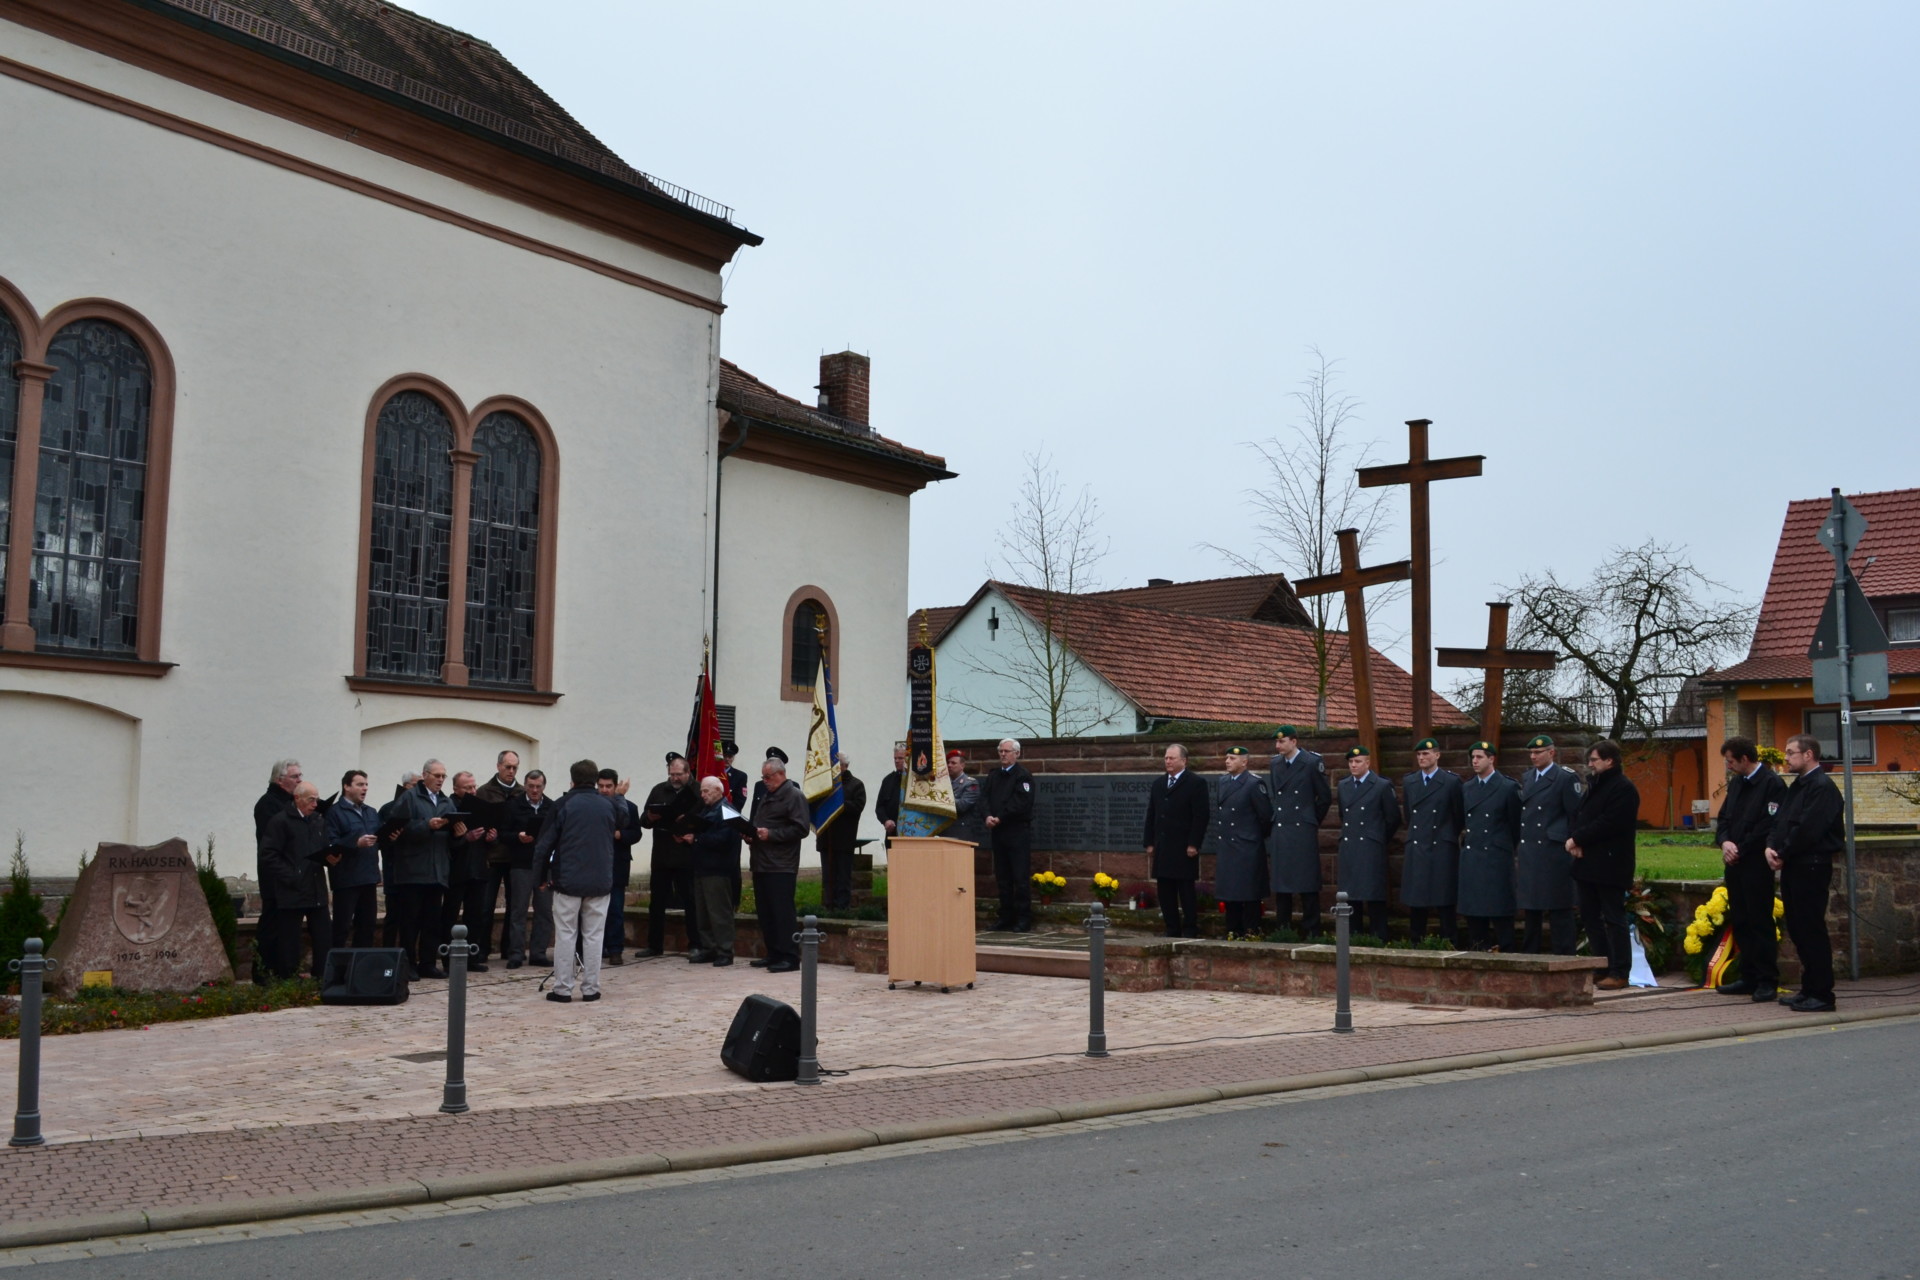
1864,632
1870,683
1841,531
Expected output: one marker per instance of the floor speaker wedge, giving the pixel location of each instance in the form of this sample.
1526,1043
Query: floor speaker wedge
364,975
764,1042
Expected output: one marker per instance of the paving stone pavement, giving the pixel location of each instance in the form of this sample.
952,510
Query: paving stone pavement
314,1100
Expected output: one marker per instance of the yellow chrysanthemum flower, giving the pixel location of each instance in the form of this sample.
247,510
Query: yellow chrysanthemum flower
1779,908
1692,945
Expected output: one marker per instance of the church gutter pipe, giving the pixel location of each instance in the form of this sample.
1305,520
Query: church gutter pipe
746,425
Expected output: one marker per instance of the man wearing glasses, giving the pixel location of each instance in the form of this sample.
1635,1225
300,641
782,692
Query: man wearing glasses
1806,835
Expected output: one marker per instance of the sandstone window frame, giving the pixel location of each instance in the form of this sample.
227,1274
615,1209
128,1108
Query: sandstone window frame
789,691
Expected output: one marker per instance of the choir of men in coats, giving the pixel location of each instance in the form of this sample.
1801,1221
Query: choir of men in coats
1754,796
1605,830
1297,787
1007,796
1242,817
1543,873
1177,814
1430,876
1808,833
1489,838
1369,815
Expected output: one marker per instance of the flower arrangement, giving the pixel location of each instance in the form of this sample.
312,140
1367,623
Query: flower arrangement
1712,957
1048,885
1105,887
1650,912
1773,757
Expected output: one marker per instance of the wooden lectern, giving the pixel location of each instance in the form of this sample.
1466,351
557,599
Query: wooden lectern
930,912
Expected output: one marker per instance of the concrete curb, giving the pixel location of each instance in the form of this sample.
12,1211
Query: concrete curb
466,1186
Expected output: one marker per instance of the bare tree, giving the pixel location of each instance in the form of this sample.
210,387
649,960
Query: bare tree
1053,546
1309,494
1631,636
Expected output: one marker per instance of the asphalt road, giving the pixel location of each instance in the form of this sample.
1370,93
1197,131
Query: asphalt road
1788,1156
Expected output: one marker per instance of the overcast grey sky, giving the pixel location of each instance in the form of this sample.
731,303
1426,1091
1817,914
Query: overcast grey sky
1656,261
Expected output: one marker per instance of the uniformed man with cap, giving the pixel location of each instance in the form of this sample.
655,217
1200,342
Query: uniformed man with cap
1242,816
1430,876
1297,787
1489,834
1543,869
1369,815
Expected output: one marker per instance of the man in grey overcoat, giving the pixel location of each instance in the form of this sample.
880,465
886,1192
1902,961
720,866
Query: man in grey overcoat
1429,878
1543,873
1369,815
1490,804
1297,787
1242,816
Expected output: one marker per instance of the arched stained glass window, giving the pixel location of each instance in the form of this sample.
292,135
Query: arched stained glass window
410,548
805,667
503,546
90,499
9,437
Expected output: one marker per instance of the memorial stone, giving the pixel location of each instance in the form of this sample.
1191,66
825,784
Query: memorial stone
138,915
1098,812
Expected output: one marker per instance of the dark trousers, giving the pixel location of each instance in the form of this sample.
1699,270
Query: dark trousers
1243,919
1176,900
669,889
1013,875
1484,932
1750,903
280,943
1603,911
836,877
713,903
1417,922
465,902
353,912
1804,886
541,944
413,910
614,940
773,903
1561,918
1309,912
1369,917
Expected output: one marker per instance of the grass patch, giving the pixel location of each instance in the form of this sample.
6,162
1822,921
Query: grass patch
107,1009
1677,855
807,895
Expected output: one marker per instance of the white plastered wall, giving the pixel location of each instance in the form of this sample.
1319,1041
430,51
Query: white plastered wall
286,303
979,699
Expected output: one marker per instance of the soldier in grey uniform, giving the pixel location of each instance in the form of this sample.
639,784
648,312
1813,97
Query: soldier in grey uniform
1369,815
1431,874
1489,834
1242,816
1543,873
1297,786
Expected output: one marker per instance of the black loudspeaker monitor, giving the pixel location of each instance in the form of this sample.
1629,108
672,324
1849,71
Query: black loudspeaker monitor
764,1041
364,975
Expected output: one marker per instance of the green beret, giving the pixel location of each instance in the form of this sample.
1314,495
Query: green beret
1427,744
1360,750
1539,740
1487,747
1286,731
1236,751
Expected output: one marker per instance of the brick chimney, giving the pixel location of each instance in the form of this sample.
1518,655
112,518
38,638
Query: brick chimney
844,381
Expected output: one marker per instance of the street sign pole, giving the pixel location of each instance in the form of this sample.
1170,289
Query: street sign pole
1842,546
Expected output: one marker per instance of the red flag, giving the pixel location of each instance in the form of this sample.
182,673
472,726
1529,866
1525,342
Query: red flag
703,736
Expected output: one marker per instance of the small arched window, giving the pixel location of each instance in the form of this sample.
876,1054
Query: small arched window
503,552
800,643
805,632
90,499
409,556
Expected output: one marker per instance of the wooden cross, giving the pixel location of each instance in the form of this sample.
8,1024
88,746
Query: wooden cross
1353,580
1497,660
1416,473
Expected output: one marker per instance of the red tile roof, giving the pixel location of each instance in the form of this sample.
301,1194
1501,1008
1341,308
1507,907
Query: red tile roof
1802,579
1192,666
745,394
1259,597
938,620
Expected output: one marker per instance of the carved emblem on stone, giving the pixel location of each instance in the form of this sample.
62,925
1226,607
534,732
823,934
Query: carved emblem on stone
144,904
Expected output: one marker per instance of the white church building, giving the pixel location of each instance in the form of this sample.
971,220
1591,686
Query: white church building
358,405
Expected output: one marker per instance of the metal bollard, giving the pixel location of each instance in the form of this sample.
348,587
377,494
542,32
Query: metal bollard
453,1098
809,939
1097,982
26,1113
1342,990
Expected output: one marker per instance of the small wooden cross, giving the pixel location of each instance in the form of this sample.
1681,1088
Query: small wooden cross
1416,473
1353,580
1497,660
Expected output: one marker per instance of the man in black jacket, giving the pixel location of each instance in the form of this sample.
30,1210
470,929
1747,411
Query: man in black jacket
465,901
1177,815
627,833
285,776
671,813
1009,801
1809,830
528,811
1601,842
836,844
293,884
1755,794
886,804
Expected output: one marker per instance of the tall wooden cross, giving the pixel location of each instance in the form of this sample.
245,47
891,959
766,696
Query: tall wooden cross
1416,473
1497,660
1354,580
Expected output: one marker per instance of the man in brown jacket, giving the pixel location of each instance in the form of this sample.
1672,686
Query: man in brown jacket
781,821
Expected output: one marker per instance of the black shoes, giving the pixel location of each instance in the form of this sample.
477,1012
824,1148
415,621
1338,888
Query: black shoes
1741,988
762,963
721,960
590,997
1766,995
613,958
540,962
432,971
1809,1004
515,963
476,966
699,957
783,966
557,998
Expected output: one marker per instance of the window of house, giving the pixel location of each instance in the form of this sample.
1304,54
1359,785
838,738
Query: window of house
1903,626
410,552
800,643
1825,726
807,624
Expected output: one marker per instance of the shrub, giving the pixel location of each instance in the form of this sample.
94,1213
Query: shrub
21,916
219,900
